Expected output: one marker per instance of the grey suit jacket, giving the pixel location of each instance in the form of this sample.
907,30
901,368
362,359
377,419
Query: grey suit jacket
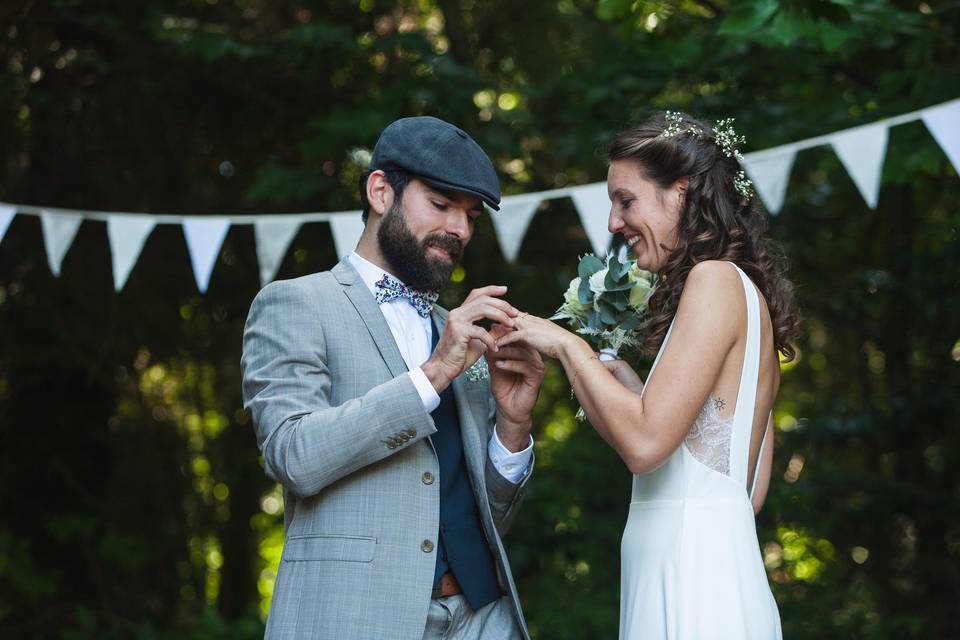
344,431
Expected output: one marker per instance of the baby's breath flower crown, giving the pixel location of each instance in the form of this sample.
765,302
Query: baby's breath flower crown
725,137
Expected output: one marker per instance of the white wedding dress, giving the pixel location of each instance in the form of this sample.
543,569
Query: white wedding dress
691,562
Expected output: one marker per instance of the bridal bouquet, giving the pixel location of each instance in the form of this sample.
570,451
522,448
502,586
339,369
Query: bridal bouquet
607,303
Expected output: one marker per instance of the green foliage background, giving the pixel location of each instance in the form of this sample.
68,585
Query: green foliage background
134,504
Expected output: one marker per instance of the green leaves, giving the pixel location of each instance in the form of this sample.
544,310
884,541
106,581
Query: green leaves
747,16
588,266
611,9
602,310
784,22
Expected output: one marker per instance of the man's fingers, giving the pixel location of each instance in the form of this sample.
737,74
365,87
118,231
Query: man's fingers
520,352
512,353
480,308
520,367
476,345
479,333
510,338
490,290
490,301
498,330
478,311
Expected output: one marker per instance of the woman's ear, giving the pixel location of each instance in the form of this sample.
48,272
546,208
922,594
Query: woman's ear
680,188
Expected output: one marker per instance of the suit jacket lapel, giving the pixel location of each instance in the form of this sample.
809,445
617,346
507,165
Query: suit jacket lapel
370,313
473,417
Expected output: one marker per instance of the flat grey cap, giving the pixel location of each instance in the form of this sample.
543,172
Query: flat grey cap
440,154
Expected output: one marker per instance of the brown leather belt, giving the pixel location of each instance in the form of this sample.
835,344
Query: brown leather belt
448,586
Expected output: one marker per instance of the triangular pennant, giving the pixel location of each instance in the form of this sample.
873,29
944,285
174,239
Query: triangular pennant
204,238
127,235
944,123
511,223
59,230
347,229
6,217
862,151
593,206
273,238
770,174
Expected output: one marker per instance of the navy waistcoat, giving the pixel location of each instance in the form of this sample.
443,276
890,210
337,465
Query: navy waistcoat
462,547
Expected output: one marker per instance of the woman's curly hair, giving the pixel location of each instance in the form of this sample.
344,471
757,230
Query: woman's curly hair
716,222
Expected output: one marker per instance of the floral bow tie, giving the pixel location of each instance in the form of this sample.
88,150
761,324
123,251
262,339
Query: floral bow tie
389,288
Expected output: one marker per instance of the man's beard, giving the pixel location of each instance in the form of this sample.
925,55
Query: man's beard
408,257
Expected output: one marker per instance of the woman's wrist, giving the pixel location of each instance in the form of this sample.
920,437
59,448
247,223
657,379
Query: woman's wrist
574,349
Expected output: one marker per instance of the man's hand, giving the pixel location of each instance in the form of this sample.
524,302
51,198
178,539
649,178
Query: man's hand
516,373
625,374
463,342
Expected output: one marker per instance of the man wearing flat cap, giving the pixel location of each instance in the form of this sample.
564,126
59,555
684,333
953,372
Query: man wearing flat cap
399,432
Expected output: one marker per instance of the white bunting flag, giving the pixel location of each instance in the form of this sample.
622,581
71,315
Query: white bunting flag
593,206
511,223
944,124
347,229
6,217
273,237
59,230
127,235
862,151
770,174
204,236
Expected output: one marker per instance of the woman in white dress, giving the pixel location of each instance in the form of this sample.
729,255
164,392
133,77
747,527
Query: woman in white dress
698,435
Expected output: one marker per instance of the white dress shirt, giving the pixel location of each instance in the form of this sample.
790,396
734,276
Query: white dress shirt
412,333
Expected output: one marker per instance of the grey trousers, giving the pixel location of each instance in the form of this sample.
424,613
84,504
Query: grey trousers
451,618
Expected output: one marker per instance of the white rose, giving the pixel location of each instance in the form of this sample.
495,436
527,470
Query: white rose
639,296
637,275
596,282
571,299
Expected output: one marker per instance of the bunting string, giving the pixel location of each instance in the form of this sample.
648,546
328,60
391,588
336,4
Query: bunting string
861,150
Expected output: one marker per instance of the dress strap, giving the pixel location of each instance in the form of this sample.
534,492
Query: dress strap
756,467
663,347
747,396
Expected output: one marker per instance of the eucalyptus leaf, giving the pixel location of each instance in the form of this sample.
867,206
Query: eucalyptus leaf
616,284
608,313
630,322
619,301
616,268
584,293
588,266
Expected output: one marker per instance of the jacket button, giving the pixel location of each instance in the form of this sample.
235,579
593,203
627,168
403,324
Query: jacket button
391,445
426,546
411,432
427,478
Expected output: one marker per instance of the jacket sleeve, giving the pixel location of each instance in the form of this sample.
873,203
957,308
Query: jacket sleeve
306,443
505,497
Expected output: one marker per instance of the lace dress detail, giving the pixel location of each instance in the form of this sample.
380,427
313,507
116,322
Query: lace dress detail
709,438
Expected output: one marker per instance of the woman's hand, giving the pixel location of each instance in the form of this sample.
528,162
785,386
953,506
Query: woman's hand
625,374
543,335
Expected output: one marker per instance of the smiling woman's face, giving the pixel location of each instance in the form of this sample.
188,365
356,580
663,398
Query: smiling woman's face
646,215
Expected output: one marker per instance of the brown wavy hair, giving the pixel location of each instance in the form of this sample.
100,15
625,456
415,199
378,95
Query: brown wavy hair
716,223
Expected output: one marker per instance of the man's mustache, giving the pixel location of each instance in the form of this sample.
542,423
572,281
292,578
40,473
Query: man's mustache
450,244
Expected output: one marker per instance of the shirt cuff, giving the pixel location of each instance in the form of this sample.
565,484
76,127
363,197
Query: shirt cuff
512,466
428,395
